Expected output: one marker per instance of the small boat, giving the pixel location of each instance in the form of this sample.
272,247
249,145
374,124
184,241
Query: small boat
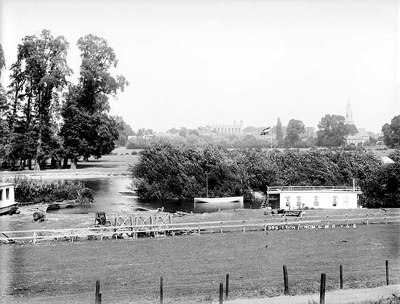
6,206
219,200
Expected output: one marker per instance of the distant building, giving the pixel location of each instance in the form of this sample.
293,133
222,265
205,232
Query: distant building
300,197
226,129
358,138
349,115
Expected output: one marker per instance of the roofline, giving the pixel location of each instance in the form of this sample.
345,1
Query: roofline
6,184
278,189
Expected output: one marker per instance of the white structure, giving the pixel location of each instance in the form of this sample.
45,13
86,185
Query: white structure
300,197
359,138
6,197
235,128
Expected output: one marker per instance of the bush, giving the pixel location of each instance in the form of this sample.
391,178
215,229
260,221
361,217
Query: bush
39,191
179,171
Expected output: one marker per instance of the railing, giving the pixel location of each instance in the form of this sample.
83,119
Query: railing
135,231
312,188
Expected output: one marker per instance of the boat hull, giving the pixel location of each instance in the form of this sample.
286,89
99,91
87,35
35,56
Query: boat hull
219,200
5,209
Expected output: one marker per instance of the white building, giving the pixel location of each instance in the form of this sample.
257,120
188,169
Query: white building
6,197
226,129
300,197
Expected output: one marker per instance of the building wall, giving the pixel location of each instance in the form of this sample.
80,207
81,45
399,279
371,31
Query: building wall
318,199
7,196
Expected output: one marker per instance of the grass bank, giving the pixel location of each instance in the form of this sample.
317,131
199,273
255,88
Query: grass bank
193,266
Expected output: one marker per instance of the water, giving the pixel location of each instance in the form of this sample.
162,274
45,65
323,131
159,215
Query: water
112,195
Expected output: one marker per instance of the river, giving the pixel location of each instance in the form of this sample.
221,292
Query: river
112,195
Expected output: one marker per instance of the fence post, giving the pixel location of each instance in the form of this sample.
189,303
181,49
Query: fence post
221,293
221,227
34,237
161,291
367,218
341,276
387,272
97,295
244,228
285,280
265,225
327,220
226,286
347,221
322,289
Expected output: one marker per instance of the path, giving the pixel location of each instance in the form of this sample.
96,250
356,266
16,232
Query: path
334,297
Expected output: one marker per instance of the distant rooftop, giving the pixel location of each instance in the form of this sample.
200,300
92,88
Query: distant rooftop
313,188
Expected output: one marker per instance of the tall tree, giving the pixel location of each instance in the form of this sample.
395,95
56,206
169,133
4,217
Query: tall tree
124,130
391,133
87,129
332,131
38,77
4,130
293,132
279,132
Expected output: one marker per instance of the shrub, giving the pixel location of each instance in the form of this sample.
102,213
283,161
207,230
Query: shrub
39,191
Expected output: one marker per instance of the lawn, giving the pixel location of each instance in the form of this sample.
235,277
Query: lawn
193,266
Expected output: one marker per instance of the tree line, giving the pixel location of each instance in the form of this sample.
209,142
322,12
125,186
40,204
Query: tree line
44,116
175,171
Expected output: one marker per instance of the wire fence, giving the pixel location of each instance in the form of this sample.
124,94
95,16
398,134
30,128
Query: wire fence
205,288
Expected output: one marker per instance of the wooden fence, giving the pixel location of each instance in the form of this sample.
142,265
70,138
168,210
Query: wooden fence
164,229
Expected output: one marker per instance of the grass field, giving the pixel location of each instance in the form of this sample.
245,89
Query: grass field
193,266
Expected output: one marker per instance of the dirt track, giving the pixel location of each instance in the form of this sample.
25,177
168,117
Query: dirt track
337,297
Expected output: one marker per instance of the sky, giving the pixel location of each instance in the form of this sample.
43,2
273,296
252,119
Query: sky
197,62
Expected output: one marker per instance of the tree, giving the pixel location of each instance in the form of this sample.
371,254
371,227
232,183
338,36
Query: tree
391,133
87,129
124,131
332,131
279,132
293,131
38,76
4,130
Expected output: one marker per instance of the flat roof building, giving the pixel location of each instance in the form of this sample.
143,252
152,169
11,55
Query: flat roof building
318,197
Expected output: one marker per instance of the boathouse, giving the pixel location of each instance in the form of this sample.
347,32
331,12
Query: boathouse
309,197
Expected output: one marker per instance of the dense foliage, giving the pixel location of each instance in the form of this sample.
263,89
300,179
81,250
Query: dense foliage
168,171
391,133
41,191
332,131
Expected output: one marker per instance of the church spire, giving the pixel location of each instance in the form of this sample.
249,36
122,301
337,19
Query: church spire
349,115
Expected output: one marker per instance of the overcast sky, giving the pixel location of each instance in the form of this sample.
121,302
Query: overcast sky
197,62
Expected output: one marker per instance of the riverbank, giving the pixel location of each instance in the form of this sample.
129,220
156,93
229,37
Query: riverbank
55,220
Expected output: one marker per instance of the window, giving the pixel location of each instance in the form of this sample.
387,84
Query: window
345,201
7,193
316,201
287,200
1,194
298,201
335,200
